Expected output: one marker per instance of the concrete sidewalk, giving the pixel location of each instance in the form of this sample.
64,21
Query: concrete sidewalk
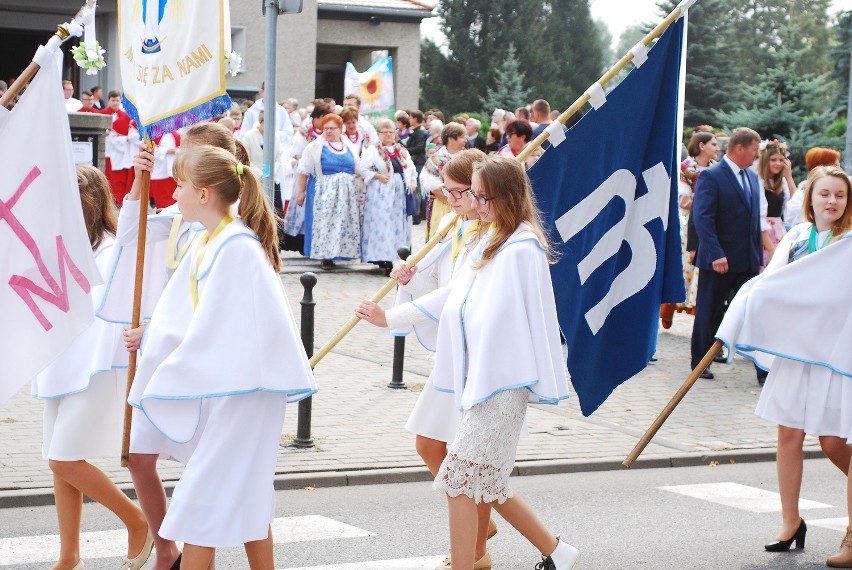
358,423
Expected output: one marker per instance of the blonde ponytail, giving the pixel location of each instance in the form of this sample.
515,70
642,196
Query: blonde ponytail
256,214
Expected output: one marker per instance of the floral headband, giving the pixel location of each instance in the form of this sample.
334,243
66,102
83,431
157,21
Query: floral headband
776,144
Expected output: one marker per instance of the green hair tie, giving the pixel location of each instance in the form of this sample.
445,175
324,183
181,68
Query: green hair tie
240,168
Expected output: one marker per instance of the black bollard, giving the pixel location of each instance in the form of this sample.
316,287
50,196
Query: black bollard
303,431
399,343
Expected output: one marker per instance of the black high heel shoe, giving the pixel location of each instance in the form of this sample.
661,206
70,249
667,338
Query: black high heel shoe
784,545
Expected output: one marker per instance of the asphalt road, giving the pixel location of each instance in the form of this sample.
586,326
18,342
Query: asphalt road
618,519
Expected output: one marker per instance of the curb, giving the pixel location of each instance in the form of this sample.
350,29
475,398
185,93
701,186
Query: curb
43,496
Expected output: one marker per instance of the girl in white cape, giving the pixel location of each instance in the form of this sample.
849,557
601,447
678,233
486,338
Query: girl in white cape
169,238
807,390
498,348
84,392
435,417
220,360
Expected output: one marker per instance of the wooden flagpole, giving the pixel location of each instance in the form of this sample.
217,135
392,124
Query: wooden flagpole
606,78
63,33
667,411
145,185
413,260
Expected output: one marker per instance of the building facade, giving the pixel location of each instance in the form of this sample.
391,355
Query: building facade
313,46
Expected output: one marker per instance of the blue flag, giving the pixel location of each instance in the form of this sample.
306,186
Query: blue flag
609,198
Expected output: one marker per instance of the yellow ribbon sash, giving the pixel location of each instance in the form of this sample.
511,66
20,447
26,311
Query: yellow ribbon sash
460,240
201,250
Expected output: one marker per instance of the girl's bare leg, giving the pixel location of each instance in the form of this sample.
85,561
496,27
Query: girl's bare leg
152,499
518,513
789,463
260,554
196,557
92,482
462,540
69,511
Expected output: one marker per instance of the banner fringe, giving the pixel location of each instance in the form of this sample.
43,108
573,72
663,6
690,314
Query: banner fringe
197,114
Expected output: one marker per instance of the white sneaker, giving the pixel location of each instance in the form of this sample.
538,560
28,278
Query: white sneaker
563,557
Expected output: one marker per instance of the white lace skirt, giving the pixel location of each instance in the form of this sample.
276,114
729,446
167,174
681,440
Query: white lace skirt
481,457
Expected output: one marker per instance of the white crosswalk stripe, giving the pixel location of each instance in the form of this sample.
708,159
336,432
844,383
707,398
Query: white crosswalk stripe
839,523
739,497
112,543
422,563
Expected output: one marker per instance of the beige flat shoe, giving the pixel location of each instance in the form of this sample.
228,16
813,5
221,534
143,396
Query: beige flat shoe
79,565
483,563
140,559
492,528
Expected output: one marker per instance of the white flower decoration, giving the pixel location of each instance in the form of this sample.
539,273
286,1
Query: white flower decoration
233,63
91,63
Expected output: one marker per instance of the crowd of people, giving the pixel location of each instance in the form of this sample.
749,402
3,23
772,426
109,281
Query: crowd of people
352,196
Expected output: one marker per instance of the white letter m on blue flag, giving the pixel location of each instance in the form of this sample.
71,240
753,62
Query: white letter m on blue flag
631,229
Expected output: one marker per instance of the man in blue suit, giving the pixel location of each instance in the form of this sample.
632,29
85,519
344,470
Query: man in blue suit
726,214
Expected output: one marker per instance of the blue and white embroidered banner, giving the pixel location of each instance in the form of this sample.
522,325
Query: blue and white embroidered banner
608,194
173,61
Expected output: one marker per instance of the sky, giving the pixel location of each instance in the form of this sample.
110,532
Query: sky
617,14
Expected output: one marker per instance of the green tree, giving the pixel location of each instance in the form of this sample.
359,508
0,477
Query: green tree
782,103
509,92
478,35
608,55
570,58
556,42
734,41
840,56
433,79
709,65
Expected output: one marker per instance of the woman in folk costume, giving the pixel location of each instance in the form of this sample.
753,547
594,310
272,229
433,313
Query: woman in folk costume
454,138
358,136
220,390
498,348
327,187
389,174
169,238
806,391
84,392
294,219
435,417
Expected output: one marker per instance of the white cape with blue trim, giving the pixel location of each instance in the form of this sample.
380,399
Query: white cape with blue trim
97,349
433,271
241,338
799,311
117,303
498,327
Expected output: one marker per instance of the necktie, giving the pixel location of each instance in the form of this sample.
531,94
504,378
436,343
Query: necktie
746,188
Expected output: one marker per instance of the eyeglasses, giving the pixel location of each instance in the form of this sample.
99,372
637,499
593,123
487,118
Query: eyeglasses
483,200
457,194
330,129
386,132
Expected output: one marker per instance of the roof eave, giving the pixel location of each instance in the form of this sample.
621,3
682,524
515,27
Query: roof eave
350,12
